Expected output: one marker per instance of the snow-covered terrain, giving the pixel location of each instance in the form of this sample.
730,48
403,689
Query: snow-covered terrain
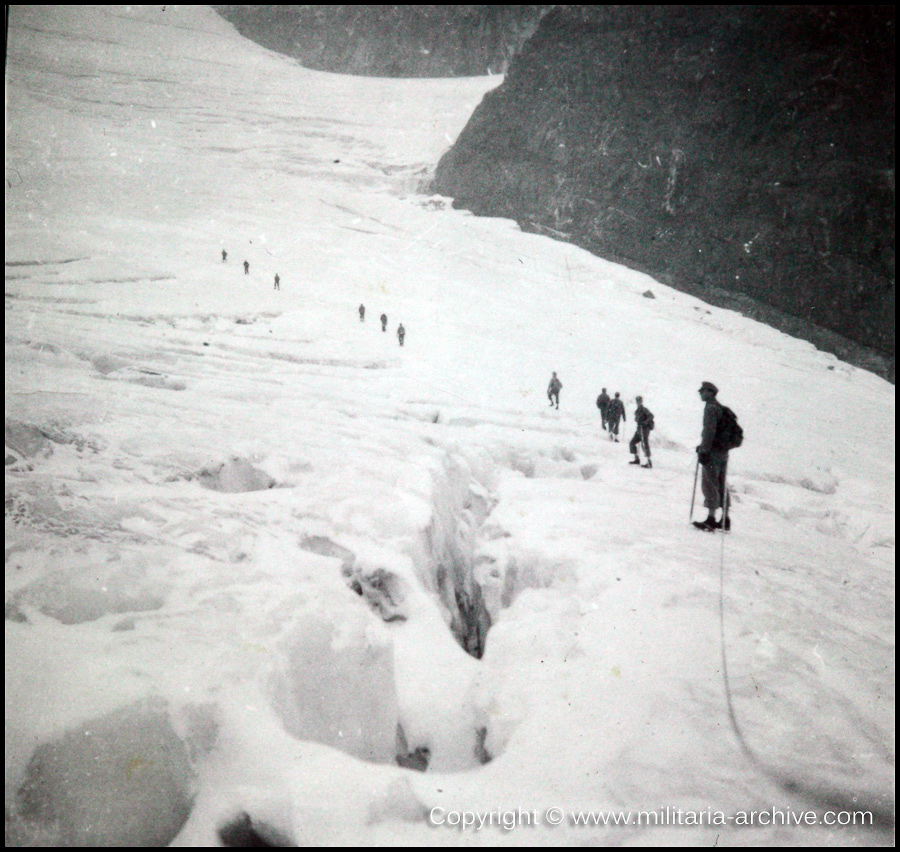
250,539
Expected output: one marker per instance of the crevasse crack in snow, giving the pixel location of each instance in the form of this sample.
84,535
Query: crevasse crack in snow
264,565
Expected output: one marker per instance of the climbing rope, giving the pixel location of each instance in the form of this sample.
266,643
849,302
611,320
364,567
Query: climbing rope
818,794
729,702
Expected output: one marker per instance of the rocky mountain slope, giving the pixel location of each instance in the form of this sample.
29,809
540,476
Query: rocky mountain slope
742,153
250,539
391,41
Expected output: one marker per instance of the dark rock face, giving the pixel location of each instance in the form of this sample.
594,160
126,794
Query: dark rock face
741,153
391,41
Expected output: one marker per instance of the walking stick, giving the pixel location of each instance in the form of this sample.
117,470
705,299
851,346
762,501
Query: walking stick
726,496
694,490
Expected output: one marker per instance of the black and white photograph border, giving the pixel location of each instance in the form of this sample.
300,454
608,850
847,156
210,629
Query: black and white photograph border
323,526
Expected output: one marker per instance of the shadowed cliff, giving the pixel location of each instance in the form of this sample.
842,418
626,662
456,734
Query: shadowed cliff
741,153
391,41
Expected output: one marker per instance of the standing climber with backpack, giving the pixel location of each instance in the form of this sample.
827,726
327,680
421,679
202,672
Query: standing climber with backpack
643,420
721,433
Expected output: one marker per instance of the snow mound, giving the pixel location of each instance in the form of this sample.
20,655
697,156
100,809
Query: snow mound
335,686
106,364
146,378
36,442
398,802
235,476
324,546
78,596
26,441
123,779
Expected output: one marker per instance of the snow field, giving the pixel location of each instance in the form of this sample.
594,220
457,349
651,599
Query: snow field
250,539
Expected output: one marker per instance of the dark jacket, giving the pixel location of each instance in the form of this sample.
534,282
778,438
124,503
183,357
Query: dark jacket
642,417
616,410
712,414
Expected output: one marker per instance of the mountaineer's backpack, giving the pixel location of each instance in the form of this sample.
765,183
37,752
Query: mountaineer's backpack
647,423
729,434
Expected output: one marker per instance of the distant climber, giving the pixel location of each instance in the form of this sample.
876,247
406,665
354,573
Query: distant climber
553,390
277,282
614,413
401,333
362,313
246,267
643,421
224,255
384,322
603,405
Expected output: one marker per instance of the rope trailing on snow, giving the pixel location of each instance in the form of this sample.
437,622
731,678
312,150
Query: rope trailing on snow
817,793
732,716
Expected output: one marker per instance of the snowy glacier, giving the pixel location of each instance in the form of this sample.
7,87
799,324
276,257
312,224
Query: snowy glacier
269,573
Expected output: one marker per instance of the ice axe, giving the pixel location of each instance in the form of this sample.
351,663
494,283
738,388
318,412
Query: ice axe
694,490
